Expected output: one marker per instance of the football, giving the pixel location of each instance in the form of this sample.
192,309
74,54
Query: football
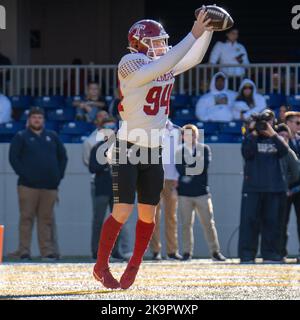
220,18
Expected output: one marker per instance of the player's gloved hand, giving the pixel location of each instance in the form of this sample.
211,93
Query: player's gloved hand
200,25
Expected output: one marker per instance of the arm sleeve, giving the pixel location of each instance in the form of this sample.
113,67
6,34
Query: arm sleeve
207,157
138,73
94,165
195,55
245,57
62,157
15,152
5,110
282,147
293,167
249,147
86,153
215,53
180,165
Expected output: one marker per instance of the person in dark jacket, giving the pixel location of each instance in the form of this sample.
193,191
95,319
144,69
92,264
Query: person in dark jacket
292,119
104,198
263,194
194,196
39,159
291,169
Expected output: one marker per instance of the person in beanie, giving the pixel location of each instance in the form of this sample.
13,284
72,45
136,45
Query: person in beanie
39,159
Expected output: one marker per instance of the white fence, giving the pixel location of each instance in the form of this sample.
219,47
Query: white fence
71,80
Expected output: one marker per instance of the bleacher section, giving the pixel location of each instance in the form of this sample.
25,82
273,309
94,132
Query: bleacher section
60,117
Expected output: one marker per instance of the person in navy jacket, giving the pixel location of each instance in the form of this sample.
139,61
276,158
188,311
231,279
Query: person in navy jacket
39,159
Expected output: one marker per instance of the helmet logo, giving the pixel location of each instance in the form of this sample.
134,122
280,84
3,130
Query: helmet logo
138,28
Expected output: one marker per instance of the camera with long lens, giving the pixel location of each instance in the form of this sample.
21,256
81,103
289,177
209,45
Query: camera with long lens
261,120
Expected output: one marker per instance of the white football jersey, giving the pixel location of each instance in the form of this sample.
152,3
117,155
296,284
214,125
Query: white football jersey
145,107
146,86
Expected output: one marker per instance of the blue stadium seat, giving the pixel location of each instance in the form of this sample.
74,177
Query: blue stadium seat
49,102
179,101
275,100
21,102
79,139
11,128
65,138
24,116
294,102
234,127
208,127
185,114
69,101
180,122
52,125
194,100
221,138
66,114
77,128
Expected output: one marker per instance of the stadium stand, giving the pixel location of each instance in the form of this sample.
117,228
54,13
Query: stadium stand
60,117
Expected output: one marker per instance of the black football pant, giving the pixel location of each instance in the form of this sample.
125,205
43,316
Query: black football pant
261,215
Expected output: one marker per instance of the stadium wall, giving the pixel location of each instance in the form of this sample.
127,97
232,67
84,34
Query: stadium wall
74,211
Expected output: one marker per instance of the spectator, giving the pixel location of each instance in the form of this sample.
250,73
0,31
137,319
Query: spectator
230,52
216,105
248,101
292,120
113,107
263,194
90,142
290,163
102,196
282,111
87,109
193,195
5,109
168,197
39,159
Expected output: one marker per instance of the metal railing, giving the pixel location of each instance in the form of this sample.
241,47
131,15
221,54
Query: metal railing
70,80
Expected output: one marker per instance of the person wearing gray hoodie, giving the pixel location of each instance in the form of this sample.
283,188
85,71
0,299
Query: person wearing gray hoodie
248,101
216,105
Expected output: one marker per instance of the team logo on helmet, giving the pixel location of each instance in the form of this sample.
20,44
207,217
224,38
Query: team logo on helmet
137,28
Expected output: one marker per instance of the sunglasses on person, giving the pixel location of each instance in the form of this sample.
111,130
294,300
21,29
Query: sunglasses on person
248,87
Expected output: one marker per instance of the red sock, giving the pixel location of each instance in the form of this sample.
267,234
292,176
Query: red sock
143,236
109,233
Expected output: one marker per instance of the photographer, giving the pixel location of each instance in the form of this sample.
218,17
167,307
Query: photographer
264,190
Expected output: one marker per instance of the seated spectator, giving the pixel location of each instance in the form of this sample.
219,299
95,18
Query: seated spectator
217,103
248,101
88,108
5,109
90,142
194,196
230,52
282,111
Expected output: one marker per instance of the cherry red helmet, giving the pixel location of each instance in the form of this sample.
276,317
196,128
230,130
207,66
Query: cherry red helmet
148,37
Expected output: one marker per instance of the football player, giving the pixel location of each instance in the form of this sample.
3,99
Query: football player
146,77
